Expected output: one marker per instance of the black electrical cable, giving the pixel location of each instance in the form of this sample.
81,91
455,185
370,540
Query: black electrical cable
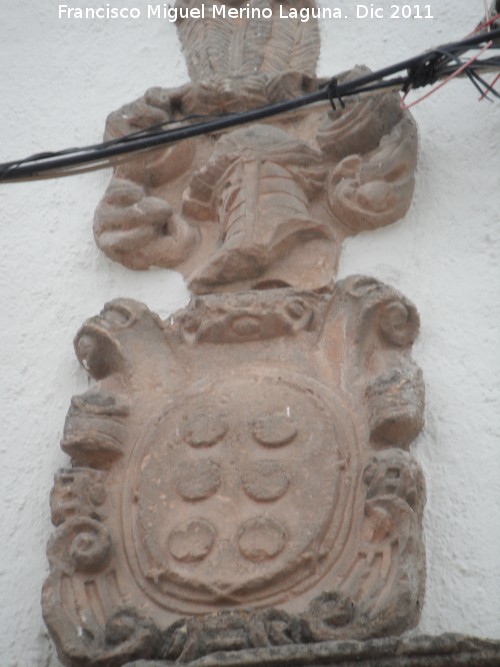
477,81
421,70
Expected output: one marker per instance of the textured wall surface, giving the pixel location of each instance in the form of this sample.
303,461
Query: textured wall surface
62,78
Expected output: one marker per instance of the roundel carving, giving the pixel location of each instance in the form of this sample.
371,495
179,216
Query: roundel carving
229,502
197,480
266,480
191,542
261,538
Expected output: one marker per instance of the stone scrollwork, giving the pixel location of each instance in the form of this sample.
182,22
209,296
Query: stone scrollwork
207,512
81,545
257,205
240,472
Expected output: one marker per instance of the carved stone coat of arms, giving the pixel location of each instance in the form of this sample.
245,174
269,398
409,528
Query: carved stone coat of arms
240,472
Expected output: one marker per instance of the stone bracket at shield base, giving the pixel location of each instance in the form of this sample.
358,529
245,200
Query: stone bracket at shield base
447,650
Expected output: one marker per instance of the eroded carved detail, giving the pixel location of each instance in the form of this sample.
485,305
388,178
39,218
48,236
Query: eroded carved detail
417,651
265,205
257,492
241,471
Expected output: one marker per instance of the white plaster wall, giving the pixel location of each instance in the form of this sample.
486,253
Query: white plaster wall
58,81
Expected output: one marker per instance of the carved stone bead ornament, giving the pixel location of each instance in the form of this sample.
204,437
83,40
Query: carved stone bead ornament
241,476
268,203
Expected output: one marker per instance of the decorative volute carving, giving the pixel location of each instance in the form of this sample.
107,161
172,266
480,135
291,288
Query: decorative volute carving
245,463
241,475
267,204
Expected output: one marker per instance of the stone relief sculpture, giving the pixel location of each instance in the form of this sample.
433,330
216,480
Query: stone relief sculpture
270,203
240,472
243,466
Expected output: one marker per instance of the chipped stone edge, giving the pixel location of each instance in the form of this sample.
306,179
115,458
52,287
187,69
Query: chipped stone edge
445,650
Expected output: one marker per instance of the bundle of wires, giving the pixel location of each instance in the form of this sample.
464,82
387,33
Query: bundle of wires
438,66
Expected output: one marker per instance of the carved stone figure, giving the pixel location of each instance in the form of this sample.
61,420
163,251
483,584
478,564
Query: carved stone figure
269,204
243,467
240,472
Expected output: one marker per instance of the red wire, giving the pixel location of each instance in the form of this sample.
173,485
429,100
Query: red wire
485,3
486,24
405,107
491,87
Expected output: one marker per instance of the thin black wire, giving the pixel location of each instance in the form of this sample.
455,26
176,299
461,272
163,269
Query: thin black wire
152,128
421,70
474,78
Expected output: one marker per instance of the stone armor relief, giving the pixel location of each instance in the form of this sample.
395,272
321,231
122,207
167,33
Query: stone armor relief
240,473
269,203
